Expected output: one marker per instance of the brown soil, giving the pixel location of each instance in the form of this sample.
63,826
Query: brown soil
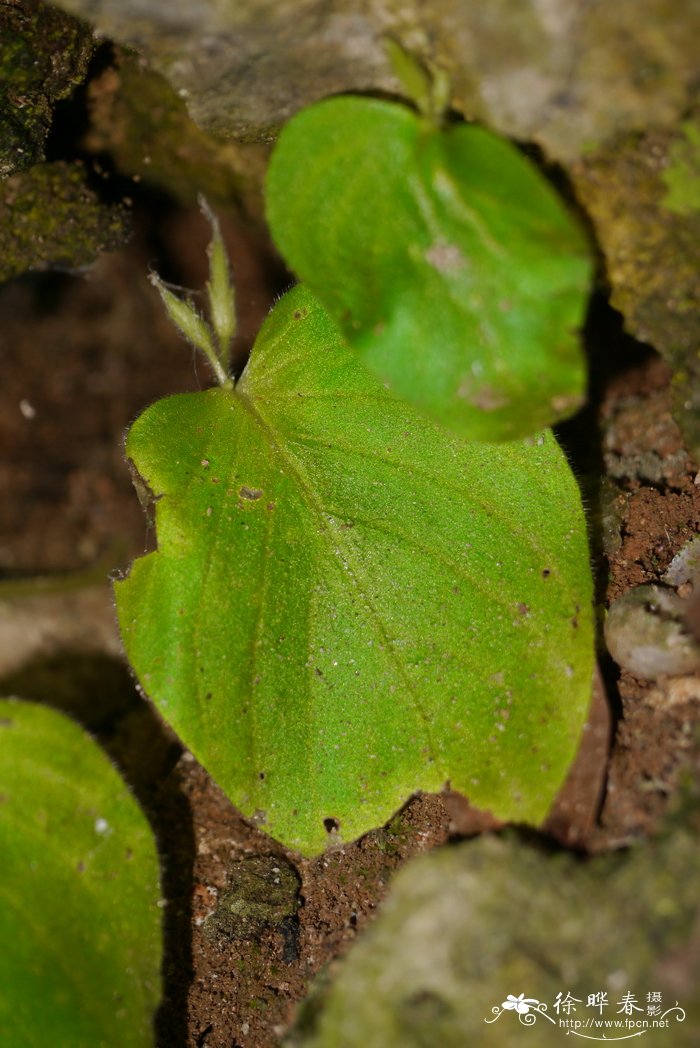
659,507
82,355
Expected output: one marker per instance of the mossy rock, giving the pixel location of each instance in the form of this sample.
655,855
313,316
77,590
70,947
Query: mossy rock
262,895
44,55
563,74
51,219
642,194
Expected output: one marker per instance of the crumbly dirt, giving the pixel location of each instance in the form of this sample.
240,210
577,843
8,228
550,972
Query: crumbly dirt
658,505
249,986
82,355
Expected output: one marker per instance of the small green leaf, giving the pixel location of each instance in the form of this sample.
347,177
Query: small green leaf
449,261
222,302
682,175
189,323
427,87
347,604
79,924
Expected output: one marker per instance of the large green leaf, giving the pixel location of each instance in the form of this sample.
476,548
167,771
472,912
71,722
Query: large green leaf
80,925
449,261
347,604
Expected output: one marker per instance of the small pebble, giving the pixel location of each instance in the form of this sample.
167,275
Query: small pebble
685,566
647,634
673,692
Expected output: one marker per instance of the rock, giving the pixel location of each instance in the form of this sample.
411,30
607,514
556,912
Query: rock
608,514
40,626
674,692
50,218
262,894
641,442
646,634
685,566
564,75
652,254
44,55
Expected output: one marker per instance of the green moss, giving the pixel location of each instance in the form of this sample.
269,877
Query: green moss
682,176
652,254
44,54
262,894
393,839
50,218
258,1004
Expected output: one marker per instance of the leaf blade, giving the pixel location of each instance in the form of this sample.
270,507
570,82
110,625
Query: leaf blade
453,268
80,923
349,584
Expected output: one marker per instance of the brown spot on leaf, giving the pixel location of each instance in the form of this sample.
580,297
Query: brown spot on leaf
486,398
251,494
446,258
146,496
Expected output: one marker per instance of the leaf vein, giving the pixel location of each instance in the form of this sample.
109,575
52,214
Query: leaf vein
353,573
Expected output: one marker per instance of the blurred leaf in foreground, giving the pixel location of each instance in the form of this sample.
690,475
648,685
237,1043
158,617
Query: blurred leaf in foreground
448,260
80,924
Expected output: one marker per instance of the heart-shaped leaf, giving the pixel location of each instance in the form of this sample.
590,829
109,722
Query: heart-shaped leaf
347,604
448,260
80,925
